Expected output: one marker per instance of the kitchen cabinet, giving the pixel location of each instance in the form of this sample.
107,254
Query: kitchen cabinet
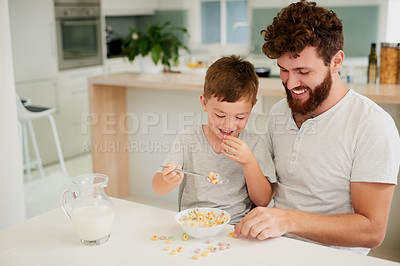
42,93
73,108
128,7
33,39
117,65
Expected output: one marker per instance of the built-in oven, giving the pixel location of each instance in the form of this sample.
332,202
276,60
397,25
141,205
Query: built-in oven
78,33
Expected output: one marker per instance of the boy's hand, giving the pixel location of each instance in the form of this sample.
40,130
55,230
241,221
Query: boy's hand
237,150
170,176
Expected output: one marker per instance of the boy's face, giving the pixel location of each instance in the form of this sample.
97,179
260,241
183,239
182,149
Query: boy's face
226,118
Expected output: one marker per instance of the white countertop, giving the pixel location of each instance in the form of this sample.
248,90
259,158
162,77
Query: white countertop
49,239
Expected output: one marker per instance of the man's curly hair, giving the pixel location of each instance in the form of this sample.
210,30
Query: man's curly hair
301,24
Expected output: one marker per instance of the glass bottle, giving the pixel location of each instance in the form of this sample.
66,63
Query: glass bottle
372,65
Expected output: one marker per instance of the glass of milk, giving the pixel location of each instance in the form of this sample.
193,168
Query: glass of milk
89,208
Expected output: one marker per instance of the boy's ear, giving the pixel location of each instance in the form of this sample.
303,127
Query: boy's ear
203,102
255,102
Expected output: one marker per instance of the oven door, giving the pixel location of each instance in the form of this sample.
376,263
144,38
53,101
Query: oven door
79,43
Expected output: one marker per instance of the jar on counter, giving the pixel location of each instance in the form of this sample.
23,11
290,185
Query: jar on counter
398,66
389,67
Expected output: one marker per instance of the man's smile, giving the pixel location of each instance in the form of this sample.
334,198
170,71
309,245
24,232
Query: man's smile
299,92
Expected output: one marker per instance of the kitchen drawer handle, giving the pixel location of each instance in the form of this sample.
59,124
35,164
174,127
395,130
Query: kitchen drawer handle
79,23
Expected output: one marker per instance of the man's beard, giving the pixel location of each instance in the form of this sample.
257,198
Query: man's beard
317,97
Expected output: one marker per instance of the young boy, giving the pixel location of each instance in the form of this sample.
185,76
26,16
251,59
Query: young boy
222,146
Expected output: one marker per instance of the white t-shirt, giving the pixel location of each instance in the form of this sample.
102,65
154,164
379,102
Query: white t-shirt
354,141
192,150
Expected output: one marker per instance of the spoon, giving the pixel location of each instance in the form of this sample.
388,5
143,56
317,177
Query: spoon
218,180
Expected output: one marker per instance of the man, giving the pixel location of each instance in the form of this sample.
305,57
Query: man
336,152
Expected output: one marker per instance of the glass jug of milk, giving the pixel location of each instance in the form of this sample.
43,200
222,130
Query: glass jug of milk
89,208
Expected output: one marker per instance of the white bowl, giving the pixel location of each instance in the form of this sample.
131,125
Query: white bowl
197,231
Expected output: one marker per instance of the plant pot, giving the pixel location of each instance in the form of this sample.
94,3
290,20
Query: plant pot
147,65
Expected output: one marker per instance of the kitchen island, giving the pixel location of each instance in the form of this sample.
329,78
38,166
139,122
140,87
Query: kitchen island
109,112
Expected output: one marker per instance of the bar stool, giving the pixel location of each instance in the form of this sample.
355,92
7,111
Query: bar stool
26,114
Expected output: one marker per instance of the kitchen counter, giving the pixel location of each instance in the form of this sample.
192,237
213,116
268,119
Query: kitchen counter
379,93
50,239
108,108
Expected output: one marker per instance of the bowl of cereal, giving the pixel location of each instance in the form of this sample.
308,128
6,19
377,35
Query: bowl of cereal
202,222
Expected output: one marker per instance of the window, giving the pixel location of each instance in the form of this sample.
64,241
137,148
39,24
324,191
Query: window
393,20
224,22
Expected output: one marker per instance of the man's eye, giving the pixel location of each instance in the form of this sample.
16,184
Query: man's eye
304,72
220,116
240,118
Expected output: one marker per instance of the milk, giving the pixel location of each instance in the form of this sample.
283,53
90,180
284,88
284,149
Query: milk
92,222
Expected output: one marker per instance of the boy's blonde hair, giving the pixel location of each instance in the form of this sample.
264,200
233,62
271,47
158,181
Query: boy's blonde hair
230,79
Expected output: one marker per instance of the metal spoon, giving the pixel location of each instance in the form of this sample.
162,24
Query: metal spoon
221,179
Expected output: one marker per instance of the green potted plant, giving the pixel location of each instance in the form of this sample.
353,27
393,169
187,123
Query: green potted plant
161,42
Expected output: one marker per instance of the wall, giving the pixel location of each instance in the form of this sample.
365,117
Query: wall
12,204
360,27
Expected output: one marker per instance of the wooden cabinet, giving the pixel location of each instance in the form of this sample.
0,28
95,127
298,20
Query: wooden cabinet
33,39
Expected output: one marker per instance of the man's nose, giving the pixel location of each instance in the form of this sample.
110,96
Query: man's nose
292,81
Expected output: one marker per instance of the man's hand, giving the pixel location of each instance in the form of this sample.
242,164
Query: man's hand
262,223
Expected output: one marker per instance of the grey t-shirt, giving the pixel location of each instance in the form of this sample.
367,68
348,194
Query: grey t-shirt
192,150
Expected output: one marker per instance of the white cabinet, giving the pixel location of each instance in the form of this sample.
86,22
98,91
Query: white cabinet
128,7
73,98
33,39
117,65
